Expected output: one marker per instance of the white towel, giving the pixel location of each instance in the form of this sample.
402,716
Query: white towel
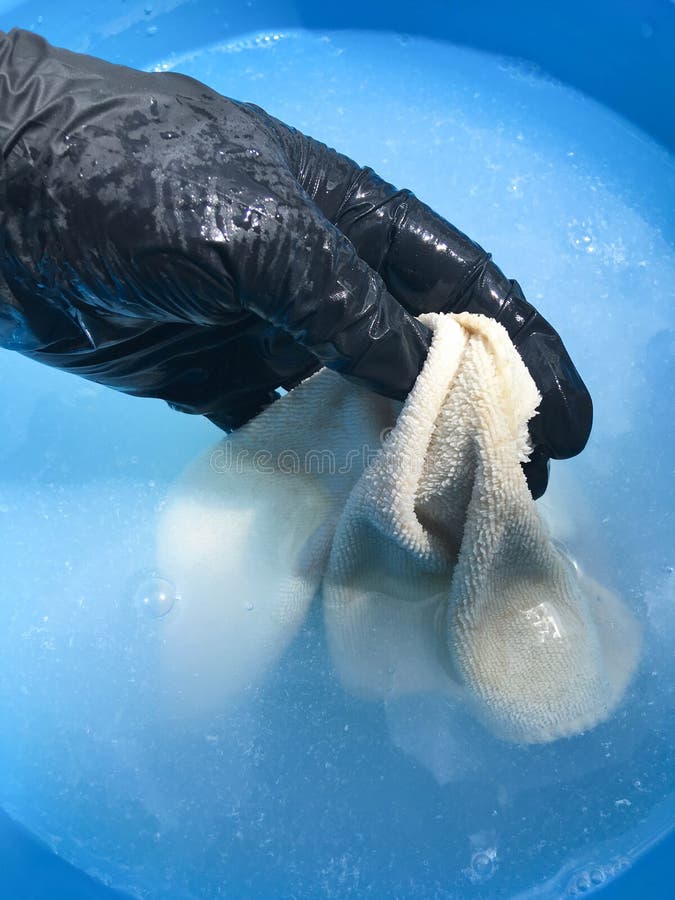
436,570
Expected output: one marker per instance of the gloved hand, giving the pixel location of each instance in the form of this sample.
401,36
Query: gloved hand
170,242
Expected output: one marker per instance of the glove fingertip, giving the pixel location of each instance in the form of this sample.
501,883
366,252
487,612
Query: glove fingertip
536,471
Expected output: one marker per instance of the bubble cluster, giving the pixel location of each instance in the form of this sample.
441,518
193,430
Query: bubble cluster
591,878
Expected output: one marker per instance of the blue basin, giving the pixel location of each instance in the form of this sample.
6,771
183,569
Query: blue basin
610,69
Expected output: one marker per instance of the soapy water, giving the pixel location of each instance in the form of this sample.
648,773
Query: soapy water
299,788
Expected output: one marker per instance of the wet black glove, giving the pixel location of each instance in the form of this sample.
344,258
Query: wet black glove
169,242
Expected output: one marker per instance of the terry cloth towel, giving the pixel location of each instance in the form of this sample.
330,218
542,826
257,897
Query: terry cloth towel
436,570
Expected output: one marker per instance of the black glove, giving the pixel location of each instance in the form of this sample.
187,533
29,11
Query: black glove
169,242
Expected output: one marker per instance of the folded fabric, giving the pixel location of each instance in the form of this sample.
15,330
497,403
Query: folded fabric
415,522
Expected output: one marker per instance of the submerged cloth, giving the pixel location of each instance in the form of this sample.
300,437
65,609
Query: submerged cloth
415,524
